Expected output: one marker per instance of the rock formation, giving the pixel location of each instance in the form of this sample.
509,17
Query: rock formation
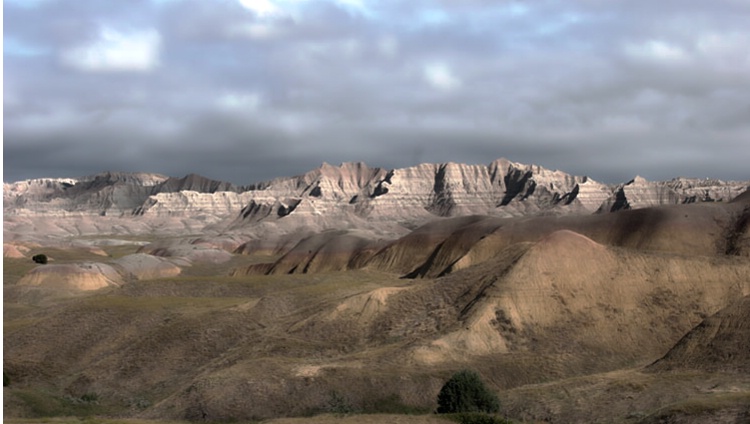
352,195
146,267
640,193
81,276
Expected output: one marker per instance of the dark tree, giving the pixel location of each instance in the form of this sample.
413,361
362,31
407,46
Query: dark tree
465,392
40,258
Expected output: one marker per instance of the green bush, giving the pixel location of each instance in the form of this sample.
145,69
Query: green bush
6,379
40,258
465,392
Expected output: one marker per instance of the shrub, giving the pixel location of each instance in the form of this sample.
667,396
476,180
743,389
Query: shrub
338,404
6,379
40,258
465,392
90,398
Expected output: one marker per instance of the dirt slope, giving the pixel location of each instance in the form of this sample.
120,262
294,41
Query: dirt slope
720,343
704,378
447,245
83,276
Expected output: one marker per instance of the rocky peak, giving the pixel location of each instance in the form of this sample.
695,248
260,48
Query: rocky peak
342,182
135,178
638,181
194,182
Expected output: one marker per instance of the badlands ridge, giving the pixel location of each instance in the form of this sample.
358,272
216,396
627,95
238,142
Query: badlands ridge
353,195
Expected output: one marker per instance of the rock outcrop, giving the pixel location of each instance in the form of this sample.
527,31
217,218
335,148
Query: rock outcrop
110,193
146,267
416,194
78,277
353,195
640,193
443,246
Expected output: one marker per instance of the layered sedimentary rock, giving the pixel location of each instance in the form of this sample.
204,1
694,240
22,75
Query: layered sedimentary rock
385,202
82,276
108,193
415,194
443,246
640,193
188,202
146,267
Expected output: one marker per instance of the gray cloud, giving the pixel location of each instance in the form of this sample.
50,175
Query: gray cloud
608,89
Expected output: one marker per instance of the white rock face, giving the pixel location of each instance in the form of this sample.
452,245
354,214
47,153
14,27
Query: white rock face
108,193
191,203
415,194
402,195
640,193
352,195
145,267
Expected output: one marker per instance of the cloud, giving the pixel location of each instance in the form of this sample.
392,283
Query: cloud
116,51
262,8
279,86
256,30
726,50
658,51
388,46
246,102
440,76
15,47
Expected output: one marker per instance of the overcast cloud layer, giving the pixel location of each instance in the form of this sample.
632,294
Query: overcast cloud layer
248,90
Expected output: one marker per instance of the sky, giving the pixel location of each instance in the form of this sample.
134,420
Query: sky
249,90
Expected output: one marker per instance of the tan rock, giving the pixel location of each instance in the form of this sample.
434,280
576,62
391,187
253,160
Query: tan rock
85,276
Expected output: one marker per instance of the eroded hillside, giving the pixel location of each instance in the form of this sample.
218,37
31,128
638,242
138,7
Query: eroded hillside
196,328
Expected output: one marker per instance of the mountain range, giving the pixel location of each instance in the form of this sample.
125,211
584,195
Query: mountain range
353,195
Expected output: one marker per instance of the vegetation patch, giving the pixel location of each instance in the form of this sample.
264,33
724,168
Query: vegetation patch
466,392
39,403
702,405
40,258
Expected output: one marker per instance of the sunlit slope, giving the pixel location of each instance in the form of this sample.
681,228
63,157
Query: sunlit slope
263,346
447,245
